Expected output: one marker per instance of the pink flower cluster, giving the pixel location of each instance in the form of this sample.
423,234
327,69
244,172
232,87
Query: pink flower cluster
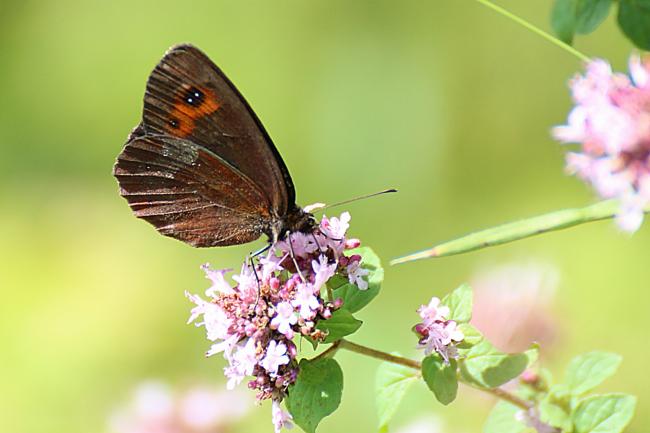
157,408
513,305
436,333
611,121
254,324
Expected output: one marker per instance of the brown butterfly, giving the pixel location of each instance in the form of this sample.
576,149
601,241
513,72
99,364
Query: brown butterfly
200,167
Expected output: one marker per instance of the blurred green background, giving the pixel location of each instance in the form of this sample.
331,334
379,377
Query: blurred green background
444,100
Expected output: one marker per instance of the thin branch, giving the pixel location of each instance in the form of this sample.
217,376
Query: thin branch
378,354
534,29
517,230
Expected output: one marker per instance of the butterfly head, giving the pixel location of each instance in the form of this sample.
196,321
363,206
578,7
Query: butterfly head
296,220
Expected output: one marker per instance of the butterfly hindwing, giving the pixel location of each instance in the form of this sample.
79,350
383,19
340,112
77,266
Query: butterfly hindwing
189,193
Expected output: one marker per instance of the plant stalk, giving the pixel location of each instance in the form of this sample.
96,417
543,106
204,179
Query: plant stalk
555,41
383,356
514,231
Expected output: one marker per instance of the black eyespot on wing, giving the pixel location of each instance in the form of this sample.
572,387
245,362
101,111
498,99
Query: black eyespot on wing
193,97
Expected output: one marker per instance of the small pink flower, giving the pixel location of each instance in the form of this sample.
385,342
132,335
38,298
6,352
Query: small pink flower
215,319
356,274
433,312
270,265
611,122
226,346
323,271
303,244
219,283
352,243
306,301
276,355
441,338
335,228
242,363
281,418
284,319
437,334
246,282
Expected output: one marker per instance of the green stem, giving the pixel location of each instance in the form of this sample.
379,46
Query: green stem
517,230
534,29
378,354
411,363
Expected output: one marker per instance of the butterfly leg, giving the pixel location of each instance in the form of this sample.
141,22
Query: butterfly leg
257,279
293,257
260,251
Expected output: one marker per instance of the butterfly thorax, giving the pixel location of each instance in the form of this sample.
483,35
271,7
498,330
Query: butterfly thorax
296,220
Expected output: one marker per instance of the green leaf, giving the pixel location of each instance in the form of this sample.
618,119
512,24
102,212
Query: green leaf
590,14
634,21
532,354
441,378
341,323
502,419
563,19
578,16
555,411
608,413
316,392
460,304
587,371
487,367
355,299
337,281
472,337
391,383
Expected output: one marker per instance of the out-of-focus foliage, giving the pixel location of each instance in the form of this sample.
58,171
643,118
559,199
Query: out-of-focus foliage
445,101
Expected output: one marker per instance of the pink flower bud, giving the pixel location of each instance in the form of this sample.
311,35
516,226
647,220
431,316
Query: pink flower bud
291,349
421,329
326,314
250,329
338,303
529,376
274,283
352,243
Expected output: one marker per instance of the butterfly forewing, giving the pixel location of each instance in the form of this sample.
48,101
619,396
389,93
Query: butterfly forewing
200,167
188,96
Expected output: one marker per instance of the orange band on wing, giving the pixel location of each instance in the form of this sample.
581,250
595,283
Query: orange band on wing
193,103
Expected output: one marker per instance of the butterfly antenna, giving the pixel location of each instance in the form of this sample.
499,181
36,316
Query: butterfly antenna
322,206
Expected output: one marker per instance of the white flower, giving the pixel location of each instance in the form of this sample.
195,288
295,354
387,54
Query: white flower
276,355
270,264
219,283
284,319
335,228
441,339
281,418
215,319
323,271
242,364
305,299
433,312
356,274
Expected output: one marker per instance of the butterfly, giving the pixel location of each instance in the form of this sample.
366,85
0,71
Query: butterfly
200,167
